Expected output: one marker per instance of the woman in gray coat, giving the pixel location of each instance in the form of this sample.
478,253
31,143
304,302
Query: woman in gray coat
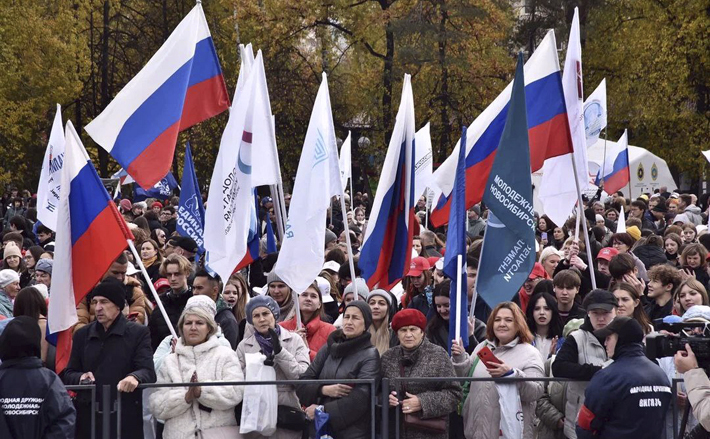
285,349
418,357
349,354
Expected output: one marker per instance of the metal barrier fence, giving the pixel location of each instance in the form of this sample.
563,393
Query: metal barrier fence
386,384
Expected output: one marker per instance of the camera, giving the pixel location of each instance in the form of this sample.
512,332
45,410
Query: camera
666,345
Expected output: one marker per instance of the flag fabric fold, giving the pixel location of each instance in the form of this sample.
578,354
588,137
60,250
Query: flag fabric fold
548,130
90,235
49,179
558,193
423,161
191,210
180,86
386,252
161,190
595,113
346,170
317,181
247,144
455,247
508,252
616,173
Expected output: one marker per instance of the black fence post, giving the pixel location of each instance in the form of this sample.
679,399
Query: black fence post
118,415
384,421
93,411
106,413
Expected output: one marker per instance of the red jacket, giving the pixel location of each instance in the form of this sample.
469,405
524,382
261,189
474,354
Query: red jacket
317,332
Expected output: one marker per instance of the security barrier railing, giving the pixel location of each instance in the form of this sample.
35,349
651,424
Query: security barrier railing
109,407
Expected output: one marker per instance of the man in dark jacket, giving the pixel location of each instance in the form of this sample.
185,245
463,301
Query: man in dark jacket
33,401
207,285
629,398
177,269
112,351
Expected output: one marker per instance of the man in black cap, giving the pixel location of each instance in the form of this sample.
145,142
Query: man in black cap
33,401
111,350
582,354
629,398
658,214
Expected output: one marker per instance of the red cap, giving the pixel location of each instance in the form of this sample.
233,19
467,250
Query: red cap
419,264
538,271
156,203
126,204
161,283
607,253
409,317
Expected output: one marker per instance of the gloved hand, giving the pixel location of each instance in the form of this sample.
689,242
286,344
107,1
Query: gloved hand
275,342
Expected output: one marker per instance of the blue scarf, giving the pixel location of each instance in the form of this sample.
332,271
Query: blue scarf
267,348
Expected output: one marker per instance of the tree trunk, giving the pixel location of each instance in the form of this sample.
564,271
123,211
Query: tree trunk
105,98
445,138
387,81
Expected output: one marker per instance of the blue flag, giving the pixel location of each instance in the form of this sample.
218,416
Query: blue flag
191,210
508,252
456,246
162,189
270,238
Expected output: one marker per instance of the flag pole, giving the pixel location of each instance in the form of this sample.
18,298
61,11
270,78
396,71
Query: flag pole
277,209
590,261
459,264
347,233
604,160
297,305
151,287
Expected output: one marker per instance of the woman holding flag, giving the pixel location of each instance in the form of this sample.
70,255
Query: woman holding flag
509,339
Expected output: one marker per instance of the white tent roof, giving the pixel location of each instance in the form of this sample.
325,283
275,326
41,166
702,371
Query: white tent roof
648,171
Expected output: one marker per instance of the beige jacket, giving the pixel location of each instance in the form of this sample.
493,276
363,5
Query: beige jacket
290,363
481,410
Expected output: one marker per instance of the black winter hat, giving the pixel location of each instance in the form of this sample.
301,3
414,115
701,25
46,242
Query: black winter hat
364,309
112,289
21,338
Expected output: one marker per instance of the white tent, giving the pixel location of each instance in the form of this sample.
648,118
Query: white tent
647,170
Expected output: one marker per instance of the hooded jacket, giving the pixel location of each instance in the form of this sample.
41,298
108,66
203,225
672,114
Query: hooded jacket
344,358
650,255
627,399
694,214
174,304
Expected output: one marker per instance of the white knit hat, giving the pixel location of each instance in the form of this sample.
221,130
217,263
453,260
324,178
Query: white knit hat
7,277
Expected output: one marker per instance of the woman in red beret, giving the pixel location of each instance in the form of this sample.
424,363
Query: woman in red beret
416,356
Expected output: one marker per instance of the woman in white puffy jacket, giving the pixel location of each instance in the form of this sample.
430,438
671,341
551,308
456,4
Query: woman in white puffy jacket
190,412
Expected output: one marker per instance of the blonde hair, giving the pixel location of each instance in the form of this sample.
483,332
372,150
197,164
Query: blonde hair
381,337
181,261
201,313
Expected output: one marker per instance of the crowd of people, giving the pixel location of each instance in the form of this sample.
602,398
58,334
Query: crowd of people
557,325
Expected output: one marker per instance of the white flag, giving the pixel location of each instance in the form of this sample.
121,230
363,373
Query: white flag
595,113
423,161
317,181
346,170
49,179
558,194
621,224
247,141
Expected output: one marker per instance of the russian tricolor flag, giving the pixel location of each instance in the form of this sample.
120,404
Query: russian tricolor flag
91,234
548,129
616,173
180,86
387,250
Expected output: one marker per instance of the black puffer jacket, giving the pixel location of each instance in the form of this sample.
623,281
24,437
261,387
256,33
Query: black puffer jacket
22,378
343,358
651,255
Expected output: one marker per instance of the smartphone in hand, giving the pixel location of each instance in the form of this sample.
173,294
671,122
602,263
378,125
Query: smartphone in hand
487,356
